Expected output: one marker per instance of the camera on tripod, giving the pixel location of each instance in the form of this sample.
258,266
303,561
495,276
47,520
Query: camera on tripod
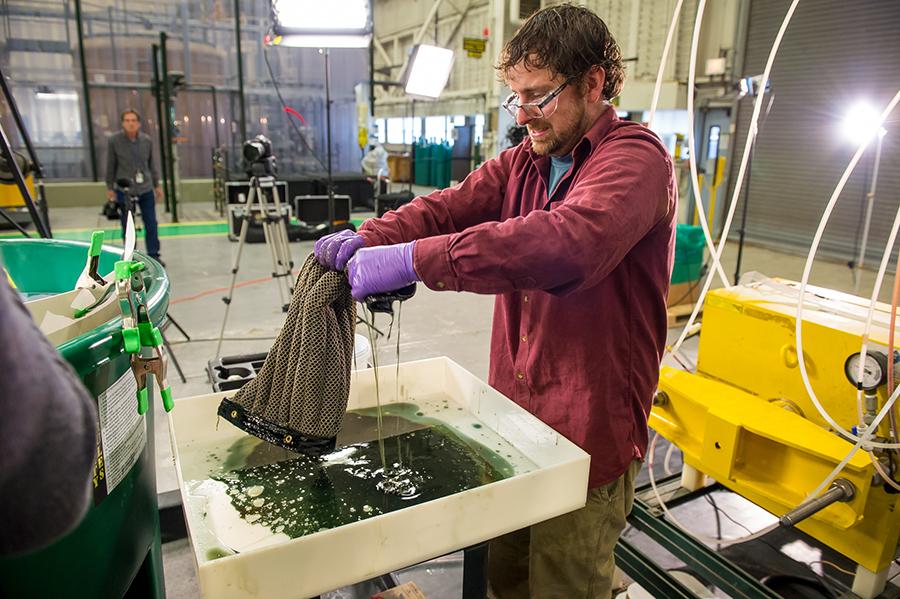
258,157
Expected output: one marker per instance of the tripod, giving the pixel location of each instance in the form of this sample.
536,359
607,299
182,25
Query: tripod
274,220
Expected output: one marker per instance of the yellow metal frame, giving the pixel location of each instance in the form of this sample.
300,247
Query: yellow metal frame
745,418
11,197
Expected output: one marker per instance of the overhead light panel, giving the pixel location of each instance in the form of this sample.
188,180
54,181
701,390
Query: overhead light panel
428,71
43,92
321,24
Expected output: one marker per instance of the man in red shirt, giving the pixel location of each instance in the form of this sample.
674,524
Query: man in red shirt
573,231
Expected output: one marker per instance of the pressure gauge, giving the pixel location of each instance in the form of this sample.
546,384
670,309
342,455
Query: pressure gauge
874,370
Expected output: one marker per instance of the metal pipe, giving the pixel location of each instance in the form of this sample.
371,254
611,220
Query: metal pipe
86,92
240,68
157,95
20,182
328,140
870,204
841,490
13,223
168,112
372,77
20,124
113,51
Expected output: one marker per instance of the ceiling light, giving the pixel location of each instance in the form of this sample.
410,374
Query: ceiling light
319,24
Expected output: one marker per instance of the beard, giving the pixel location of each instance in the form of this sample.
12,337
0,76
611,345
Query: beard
553,139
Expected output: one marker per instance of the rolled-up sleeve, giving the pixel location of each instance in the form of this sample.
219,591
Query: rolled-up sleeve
618,196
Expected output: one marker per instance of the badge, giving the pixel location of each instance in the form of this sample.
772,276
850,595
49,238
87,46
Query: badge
139,177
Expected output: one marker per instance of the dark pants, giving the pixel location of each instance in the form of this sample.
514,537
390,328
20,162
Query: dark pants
147,203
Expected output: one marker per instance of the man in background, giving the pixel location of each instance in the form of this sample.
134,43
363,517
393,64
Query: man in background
130,156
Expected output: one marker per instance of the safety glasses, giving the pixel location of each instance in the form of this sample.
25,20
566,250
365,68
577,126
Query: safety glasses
543,108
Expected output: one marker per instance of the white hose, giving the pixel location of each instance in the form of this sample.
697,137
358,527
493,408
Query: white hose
801,359
669,453
695,180
676,522
879,279
887,478
862,440
662,63
745,161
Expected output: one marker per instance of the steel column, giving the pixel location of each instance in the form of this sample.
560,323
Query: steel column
161,122
86,92
240,68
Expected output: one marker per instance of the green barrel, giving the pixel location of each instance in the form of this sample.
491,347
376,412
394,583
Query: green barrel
116,547
690,244
422,163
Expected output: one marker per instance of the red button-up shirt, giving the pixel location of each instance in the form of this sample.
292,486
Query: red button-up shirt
581,279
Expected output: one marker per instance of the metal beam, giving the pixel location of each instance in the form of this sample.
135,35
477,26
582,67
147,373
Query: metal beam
647,573
458,24
708,564
377,43
240,69
423,29
86,92
161,123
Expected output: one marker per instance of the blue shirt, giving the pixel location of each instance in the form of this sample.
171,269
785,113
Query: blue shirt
559,166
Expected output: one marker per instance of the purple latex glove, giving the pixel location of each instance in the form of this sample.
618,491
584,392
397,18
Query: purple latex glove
380,269
334,250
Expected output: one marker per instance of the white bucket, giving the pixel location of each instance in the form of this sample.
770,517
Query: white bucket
362,352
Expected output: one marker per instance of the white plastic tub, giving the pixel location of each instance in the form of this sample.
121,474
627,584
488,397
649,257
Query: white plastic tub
550,479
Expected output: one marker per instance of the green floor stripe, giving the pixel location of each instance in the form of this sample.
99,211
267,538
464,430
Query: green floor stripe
165,230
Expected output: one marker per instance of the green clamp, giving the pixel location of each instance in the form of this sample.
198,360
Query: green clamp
143,399
150,335
168,403
125,268
96,244
132,340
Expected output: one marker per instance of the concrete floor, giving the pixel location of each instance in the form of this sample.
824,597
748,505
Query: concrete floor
456,325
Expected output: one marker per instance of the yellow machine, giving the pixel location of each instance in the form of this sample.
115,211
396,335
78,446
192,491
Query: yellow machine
13,203
746,419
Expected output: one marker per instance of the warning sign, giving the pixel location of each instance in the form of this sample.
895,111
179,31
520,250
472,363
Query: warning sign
474,46
123,434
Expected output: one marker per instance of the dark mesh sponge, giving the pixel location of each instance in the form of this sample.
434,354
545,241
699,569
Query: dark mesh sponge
299,397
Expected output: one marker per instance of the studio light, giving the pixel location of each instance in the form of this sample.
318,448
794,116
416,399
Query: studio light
319,24
428,71
862,123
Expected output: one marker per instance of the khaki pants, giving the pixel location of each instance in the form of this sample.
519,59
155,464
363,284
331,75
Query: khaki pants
568,557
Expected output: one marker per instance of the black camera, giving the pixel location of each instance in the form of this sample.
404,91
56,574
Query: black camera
258,157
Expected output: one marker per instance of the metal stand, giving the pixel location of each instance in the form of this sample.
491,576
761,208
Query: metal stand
870,203
273,219
41,220
328,141
170,321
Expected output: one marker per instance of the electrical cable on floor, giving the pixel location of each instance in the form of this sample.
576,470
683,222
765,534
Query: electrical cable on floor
832,564
822,577
715,507
285,107
671,517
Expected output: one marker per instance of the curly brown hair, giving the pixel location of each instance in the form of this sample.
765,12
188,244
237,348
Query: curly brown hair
568,40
